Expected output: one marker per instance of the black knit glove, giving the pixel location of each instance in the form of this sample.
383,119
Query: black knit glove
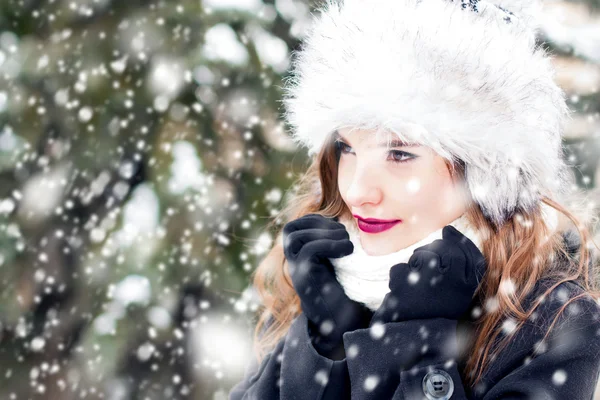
438,281
308,242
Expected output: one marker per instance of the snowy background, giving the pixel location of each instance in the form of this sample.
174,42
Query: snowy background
142,152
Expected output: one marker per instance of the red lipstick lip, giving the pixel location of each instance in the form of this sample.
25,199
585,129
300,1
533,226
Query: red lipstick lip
375,221
377,226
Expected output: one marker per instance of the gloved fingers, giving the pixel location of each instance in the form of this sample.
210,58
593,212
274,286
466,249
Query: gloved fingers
402,276
329,248
424,267
311,221
450,256
452,234
427,259
295,241
454,260
475,260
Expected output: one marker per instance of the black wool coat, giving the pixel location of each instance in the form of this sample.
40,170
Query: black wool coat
565,366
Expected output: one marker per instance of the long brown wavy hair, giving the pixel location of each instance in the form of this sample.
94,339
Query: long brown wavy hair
518,253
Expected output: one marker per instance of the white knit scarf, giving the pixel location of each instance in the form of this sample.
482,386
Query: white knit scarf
365,278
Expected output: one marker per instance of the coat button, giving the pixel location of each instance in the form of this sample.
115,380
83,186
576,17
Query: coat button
438,385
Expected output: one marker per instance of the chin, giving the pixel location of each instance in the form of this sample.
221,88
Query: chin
370,244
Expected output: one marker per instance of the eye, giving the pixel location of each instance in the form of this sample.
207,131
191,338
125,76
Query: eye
397,154
341,146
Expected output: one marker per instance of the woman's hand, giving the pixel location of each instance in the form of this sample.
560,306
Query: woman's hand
308,243
438,281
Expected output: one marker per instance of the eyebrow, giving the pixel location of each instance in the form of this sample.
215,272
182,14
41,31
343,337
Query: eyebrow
392,143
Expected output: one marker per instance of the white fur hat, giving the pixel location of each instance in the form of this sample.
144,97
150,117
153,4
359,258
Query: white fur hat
465,78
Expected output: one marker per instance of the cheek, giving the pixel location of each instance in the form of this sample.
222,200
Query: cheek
439,194
415,186
418,188
344,178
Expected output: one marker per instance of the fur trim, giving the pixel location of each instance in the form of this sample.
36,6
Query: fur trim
470,85
528,11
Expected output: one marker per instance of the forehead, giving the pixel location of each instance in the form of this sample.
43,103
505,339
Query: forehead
372,138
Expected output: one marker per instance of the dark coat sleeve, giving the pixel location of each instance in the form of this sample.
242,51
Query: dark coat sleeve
566,366
294,370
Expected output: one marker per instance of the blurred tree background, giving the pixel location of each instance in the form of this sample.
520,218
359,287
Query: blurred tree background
142,152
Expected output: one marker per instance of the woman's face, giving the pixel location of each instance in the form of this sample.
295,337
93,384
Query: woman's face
407,183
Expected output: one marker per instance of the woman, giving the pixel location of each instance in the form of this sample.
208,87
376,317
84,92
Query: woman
441,120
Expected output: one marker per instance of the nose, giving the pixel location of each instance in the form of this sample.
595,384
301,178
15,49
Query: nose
364,187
